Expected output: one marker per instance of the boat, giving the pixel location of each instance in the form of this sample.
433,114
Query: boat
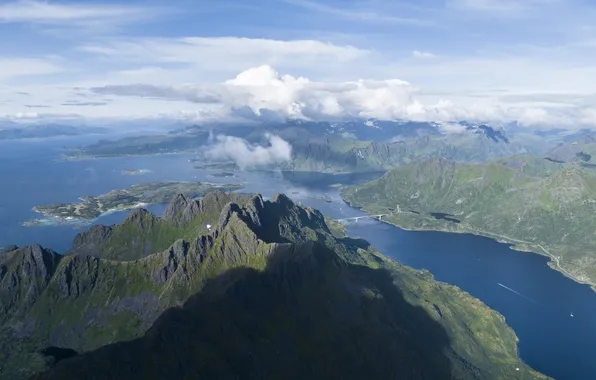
571,314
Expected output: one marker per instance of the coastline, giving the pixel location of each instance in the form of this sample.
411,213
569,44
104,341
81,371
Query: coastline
513,244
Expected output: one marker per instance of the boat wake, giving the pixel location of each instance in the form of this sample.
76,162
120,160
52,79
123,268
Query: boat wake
518,293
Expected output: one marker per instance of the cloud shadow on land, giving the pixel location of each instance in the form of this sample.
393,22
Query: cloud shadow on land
307,315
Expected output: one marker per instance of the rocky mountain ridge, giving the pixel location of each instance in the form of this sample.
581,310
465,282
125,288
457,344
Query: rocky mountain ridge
268,290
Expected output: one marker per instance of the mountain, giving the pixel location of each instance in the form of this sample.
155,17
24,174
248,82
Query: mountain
246,288
347,146
582,150
342,154
46,130
537,204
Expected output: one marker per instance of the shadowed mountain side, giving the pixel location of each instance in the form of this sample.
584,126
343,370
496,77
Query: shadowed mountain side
309,314
270,291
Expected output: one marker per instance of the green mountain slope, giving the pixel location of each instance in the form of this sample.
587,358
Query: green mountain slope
346,154
267,291
537,205
582,150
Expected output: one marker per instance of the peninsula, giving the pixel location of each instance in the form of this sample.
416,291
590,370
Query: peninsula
534,204
138,195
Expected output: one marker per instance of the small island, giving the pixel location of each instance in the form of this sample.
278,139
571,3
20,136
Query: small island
222,175
228,166
136,172
325,198
117,200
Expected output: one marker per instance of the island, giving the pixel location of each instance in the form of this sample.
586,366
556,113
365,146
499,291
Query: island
325,198
222,175
228,166
138,195
136,172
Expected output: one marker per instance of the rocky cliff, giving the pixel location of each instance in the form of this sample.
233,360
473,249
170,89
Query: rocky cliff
267,291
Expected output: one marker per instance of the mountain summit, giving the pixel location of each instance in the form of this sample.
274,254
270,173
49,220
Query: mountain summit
270,290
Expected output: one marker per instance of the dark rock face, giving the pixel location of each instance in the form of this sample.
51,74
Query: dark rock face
176,256
182,211
175,209
491,133
88,242
24,273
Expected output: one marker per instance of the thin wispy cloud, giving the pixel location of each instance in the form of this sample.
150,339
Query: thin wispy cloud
57,13
20,67
511,7
362,15
422,54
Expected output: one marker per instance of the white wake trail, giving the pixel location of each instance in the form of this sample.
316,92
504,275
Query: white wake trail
518,293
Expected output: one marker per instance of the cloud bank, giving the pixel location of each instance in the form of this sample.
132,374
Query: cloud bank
263,94
248,155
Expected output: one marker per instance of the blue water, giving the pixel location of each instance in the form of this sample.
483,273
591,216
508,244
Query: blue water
537,304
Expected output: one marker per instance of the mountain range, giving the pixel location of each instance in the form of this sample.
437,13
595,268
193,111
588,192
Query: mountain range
541,205
349,146
236,286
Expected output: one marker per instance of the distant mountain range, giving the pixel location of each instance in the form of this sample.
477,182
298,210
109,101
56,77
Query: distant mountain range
15,131
233,286
363,145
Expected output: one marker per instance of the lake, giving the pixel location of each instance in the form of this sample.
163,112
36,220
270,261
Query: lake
536,300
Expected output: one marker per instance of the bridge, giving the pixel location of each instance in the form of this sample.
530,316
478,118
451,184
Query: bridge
357,218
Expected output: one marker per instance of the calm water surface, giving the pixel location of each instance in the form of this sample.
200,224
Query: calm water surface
537,304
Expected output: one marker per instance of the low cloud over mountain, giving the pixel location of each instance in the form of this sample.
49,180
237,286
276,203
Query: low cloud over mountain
249,155
262,93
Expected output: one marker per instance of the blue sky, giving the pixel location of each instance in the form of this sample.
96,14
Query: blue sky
527,60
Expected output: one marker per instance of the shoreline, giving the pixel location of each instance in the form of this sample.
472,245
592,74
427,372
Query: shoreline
513,244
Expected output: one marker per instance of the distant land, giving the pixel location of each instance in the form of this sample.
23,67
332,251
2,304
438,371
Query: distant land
340,147
135,196
15,132
535,204
234,286
136,171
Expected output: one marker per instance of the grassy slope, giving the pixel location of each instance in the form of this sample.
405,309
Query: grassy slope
83,302
540,206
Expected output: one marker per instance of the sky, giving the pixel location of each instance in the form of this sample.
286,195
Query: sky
530,61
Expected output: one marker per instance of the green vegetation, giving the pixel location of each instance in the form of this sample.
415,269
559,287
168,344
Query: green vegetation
269,290
345,147
126,199
535,204
582,150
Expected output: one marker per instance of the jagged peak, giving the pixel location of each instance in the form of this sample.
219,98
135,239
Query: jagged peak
138,213
175,207
282,199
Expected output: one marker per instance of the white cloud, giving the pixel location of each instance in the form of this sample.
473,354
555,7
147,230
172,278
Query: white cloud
261,93
422,54
358,15
247,155
501,6
225,54
19,67
54,13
